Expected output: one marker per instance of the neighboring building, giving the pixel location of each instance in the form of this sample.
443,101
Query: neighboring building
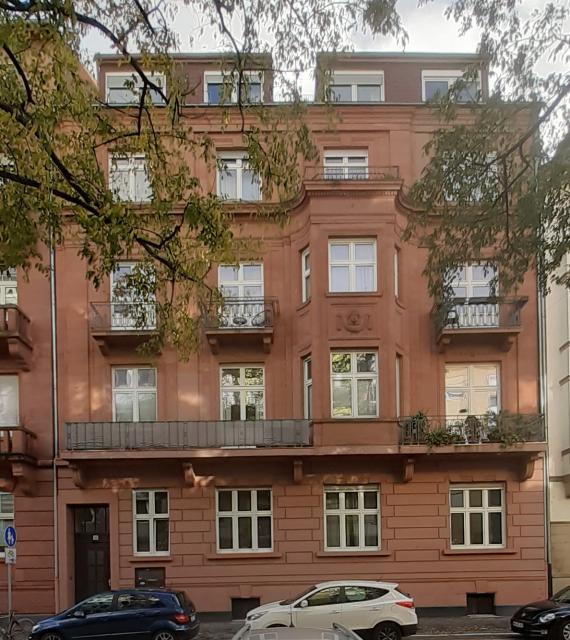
290,448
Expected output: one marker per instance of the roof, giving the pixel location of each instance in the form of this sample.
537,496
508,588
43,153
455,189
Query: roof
360,583
401,55
203,55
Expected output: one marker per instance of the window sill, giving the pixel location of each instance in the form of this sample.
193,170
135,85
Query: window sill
340,420
262,555
142,558
465,552
353,294
352,554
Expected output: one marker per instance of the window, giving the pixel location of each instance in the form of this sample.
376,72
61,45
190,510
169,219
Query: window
151,522
329,595
477,516
134,394
100,603
6,516
473,281
346,165
361,594
436,84
398,385
357,87
8,287
9,401
352,266
354,382
235,180
242,288
135,600
471,389
305,275
128,178
126,88
307,387
352,518
244,520
474,290
128,309
242,393
221,88
397,272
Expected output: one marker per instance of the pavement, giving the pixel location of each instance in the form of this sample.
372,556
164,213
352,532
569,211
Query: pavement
452,628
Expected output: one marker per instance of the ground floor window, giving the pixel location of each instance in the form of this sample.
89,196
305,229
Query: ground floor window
244,520
477,516
352,518
151,522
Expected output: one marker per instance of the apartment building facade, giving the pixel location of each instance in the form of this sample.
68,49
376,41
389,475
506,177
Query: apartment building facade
294,446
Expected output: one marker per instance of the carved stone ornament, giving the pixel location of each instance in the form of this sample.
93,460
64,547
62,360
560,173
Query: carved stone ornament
353,321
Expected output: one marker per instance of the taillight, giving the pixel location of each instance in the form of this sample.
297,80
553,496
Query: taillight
408,604
181,618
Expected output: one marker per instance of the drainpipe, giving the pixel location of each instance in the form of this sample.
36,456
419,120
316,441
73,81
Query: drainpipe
55,414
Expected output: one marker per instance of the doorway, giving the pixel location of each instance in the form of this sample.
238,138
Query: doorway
92,552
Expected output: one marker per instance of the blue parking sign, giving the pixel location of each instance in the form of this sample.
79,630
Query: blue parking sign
10,536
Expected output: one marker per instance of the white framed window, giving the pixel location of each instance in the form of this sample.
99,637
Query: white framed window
151,522
8,287
473,290
305,275
352,518
399,367
307,387
242,392
128,311
346,165
354,384
6,517
472,389
396,272
134,394
477,516
235,180
352,265
244,520
436,83
357,86
126,88
473,281
128,178
242,288
220,88
9,401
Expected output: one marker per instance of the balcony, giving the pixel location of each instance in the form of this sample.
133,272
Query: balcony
15,339
242,320
463,321
119,326
17,459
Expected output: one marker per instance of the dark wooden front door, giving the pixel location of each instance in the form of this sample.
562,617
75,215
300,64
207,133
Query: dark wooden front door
92,570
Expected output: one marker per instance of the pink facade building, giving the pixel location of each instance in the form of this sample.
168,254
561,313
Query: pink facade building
292,447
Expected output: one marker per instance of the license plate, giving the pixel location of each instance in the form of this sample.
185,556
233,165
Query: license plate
518,625
192,618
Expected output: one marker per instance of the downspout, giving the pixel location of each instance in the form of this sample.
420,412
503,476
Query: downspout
55,415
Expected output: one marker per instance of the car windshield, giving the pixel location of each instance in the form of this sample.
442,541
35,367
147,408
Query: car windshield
298,596
562,596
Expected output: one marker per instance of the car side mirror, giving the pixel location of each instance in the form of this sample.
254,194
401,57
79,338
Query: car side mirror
304,604
79,613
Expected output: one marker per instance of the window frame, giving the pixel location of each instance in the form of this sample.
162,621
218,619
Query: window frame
484,509
344,78
14,384
209,76
447,75
150,518
6,516
134,391
352,264
471,388
8,280
399,367
138,85
361,511
242,388
305,275
354,376
240,158
469,283
135,160
234,514
241,282
344,166
306,364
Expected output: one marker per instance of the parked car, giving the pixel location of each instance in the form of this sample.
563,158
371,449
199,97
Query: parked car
137,614
545,618
338,632
356,605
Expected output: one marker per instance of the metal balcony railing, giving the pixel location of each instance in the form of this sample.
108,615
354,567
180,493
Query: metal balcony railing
14,323
353,173
505,428
242,313
478,313
186,435
122,316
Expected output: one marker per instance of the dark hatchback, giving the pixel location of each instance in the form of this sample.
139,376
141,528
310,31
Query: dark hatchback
137,614
545,618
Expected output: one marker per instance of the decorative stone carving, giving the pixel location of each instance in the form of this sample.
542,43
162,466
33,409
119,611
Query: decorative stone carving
353,321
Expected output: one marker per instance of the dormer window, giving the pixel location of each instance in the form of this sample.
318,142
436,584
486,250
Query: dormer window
357,87
220,88
436,83
126,88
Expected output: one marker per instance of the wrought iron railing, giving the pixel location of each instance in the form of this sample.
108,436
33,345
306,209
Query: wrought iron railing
242,313
122,316
186,435
503,427
14,323
354,173
478,313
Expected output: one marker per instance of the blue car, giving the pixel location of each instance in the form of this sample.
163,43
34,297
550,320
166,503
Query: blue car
137,614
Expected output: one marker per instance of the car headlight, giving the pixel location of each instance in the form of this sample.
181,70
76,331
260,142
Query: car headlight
546,617
35,628
255,616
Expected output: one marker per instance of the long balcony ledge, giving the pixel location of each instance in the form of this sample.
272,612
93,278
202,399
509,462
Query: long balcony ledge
243,319
122,325
463,321
15,337
351,178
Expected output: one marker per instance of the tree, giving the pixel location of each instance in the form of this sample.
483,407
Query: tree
497,183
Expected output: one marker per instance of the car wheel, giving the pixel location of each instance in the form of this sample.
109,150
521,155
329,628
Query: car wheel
163,635
564,630
390,631
51,635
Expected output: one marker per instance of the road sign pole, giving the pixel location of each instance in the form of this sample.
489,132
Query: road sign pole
9,567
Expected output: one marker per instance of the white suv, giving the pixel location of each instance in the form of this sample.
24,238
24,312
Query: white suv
355,604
